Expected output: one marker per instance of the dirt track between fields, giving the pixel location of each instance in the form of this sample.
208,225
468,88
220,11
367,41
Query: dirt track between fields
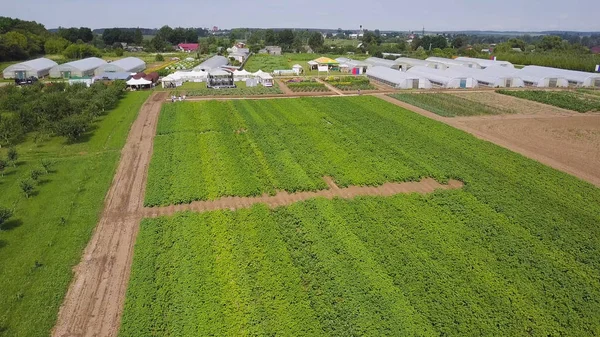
565,140
283,198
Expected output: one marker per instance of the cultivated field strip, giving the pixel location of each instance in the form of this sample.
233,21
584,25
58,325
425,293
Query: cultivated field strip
283,198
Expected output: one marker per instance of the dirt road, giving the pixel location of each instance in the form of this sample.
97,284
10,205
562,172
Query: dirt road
95,298
565,140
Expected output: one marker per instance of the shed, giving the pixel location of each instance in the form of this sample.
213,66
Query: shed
297,69
264,78
398,79
36,68
405,63
575,78
214,62
454,62
489,77
441,78
124,65
547,78
79,68
484,63
376,61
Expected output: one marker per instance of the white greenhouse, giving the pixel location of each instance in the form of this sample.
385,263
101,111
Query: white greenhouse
548,78
214,62
489,77
125,65
376,61
575,78
454,62
36,68
405,63
442,79
398,79
486,63
80,68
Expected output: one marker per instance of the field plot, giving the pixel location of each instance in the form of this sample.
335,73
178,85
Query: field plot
193,89
512,104
515,252
448,105
563,99
305,85
44,239
350,83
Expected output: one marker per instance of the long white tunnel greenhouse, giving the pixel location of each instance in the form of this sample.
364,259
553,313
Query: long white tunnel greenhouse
398,79
442,79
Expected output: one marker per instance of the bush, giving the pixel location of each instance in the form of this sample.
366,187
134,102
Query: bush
5,214
27,187
159,58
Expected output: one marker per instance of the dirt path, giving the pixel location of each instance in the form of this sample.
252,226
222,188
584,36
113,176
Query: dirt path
330,87
569,142
283,198
94,301
286,91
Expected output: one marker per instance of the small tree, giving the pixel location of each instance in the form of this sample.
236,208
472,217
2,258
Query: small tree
13,156
46,164
159,58
2,167
119,52
5,214
27,187
35,174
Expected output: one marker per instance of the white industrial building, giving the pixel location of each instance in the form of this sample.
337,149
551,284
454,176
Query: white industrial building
37,68
214,62
575,78
442,79
376,61
79,68
489,77
405,63
546,78
453,62
484,63
398,79
124,65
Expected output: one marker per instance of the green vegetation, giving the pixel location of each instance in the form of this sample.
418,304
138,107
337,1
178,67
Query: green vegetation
564,60
306,85
595,92
44,238
513,253
192,89
267,63
563,99
449,105
350,83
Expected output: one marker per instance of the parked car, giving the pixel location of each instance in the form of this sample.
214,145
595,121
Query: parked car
26,81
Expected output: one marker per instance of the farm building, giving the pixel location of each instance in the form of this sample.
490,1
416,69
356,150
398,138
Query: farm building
214,62
405,63
79,68
489,77
125,65
575,78
264,78
323,62
188,47
376,61
442,79
453,62
484,63
352,66
398,79
36,68
546,78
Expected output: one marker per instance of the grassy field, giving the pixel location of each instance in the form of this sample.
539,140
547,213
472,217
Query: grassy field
448,105
44,240
268,63
563,99
193,89
513,253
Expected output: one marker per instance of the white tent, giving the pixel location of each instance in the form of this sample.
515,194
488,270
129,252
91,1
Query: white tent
440,78
488,77
398,79
297,69
453,62
549,78
264,78
138,82
171,81
576,78
241,75
484,63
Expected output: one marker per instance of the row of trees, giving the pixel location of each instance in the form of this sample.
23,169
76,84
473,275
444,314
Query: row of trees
55,109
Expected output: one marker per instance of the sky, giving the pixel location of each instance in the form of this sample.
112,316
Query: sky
434,15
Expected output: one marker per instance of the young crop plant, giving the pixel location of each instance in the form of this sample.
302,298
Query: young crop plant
575,101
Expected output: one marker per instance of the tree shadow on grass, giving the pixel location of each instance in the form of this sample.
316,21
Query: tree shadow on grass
42,182
11,224
84,138
2,245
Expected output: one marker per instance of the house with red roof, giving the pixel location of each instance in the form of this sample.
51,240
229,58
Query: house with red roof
188,47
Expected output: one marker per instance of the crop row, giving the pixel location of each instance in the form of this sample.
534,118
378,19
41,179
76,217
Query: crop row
448,105
350,83
563,99
306,86
243,91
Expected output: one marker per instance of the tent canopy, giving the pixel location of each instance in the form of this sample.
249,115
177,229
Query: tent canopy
139,81
296,66
325,60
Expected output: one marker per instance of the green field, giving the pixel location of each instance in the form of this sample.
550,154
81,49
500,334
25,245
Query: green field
268,63
350,83
563,99
306,85
193,89
449,105
513,253
44,239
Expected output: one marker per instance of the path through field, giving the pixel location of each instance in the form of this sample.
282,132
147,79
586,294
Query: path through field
565,140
